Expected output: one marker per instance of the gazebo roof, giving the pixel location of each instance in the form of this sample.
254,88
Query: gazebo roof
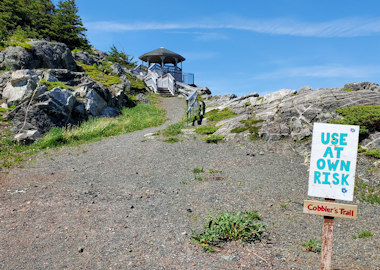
155,56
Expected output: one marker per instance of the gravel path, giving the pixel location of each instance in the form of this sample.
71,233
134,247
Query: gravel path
128,202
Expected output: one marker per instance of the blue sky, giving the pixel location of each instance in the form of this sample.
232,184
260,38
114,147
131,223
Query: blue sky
247,46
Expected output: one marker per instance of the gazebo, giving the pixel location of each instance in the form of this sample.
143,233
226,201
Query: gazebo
167,60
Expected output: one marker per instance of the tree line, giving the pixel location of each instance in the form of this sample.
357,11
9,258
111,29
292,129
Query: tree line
41,19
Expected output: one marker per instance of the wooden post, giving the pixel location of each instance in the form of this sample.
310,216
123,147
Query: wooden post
327,240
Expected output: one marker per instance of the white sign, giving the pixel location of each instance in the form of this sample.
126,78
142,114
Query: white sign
333,161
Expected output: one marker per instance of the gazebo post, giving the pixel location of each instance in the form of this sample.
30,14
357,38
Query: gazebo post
162,61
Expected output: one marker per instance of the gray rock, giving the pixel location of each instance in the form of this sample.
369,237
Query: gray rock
118,69
21,85
278,95
4,79
356,86
305,89
27,136
110,112
18,58
84,57
142,98
372,142
94,103
43,55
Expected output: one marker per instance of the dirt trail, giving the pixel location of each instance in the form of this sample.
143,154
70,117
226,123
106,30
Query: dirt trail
131,203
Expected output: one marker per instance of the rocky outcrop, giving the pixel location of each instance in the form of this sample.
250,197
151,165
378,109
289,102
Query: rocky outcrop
96,57
288,114
38,109
43,54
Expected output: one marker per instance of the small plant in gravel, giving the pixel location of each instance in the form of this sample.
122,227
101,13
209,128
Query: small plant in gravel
313,245
198,170
212,171
206,130
367,193
245,227
173,130
172,140
363,234
213,138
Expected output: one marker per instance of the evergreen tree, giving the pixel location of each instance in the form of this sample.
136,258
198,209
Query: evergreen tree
68,27
38,18
11,15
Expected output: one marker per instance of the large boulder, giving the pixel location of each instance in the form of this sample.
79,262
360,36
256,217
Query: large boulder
355,86
43,54
21,84
51,109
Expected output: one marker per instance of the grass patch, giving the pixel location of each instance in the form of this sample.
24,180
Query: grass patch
347,89
245,227
369,152
206,130
367,193
172,140
132,119
99,76
217,115
136,83
366,116
51,85
198,170
212,171
251,126
213,138
313,245
173,130
363,234
5,110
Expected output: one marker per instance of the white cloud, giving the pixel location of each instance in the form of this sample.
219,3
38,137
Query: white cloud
347,27
322,71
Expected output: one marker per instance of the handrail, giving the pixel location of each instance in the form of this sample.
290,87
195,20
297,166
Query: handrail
193,98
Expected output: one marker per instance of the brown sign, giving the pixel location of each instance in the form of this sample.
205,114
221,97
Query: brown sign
330,209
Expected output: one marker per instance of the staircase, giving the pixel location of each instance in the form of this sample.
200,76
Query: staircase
164,92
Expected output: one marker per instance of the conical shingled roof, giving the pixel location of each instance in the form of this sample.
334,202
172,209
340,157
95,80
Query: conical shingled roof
155,56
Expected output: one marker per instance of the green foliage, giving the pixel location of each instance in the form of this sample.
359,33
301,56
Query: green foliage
172,140
367,193
206,129
366,116
313,245
39,19
217,115
136,83
247,104
363,234
116,56
67,26
173,130
198,170
212,171
251,126
51,85
245,227
369,152
213,138
347,89
132,119
98,75
5,110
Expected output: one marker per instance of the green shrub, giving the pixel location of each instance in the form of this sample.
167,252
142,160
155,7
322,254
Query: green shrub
313,245
363,234
98,75
172,140
136,83
119,56
173,130
366,116
217,115
367,193
51,85
206,129
347,89
369,152
198,170
251,126
245,227
213,138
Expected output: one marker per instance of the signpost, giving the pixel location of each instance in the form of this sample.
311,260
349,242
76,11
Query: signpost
332,176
